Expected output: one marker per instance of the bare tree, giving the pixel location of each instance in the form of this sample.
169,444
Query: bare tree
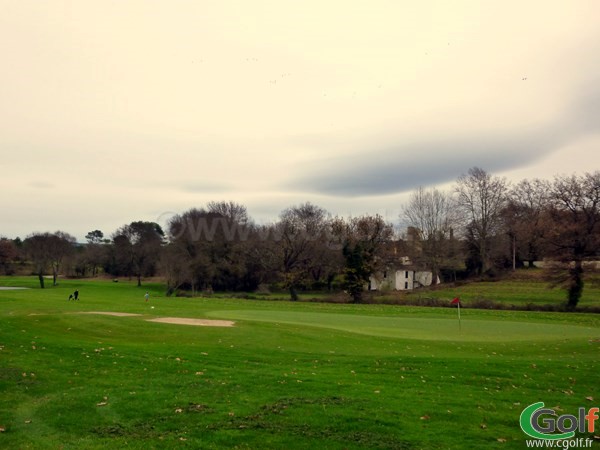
432,216
481,199
575,231
138,246
234,212
37,249
525,217
47,250
302,230
8,253
188,233
174,267
62,245
214,244
366,241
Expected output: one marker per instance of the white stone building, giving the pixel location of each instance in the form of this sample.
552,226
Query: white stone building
402,279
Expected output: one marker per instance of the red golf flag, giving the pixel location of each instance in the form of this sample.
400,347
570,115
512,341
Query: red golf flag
456,302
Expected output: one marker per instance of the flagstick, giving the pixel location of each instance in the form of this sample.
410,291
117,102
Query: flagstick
459,324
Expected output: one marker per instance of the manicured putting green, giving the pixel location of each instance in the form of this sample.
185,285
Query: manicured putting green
420,328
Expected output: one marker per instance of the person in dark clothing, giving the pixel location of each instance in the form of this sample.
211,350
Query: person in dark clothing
76,295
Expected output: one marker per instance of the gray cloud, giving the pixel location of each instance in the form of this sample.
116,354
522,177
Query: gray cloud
404,167
586,114
205,186
397,167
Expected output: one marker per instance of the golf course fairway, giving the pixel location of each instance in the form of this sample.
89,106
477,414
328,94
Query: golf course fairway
418,328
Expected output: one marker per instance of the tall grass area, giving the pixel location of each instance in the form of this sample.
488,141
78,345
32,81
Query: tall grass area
287,375
525,286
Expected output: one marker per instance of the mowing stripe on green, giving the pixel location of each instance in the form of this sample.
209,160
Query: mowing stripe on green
420,328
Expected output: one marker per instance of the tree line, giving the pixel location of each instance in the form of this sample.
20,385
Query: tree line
481,226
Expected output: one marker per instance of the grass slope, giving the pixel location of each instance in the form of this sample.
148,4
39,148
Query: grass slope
297,375
527,286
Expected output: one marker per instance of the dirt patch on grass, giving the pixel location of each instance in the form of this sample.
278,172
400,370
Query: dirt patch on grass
195,322
110,313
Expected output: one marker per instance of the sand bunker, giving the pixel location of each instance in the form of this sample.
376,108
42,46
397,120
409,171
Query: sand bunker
109,313
11,288
173,320
196,322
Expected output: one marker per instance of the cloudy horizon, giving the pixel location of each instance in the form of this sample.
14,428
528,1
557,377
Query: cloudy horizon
120,111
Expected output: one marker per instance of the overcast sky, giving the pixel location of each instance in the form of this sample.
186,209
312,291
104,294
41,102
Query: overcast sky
115,111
